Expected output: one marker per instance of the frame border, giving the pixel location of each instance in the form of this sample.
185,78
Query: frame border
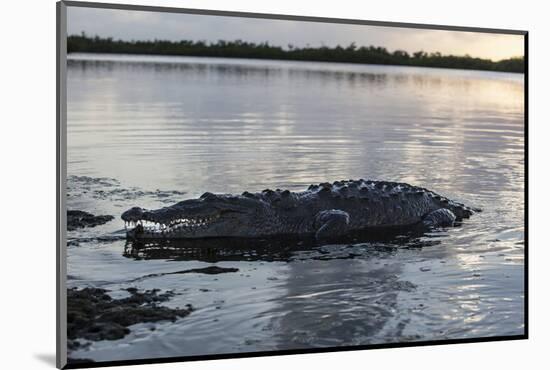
61,176
61,172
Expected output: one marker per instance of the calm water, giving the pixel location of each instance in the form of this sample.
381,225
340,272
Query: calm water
151,131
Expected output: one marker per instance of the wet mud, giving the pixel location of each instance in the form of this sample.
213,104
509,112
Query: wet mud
92,315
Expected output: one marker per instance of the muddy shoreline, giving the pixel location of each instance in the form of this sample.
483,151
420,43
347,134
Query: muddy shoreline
92,315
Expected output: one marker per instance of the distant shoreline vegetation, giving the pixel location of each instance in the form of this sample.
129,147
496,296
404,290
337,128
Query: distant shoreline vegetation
242,49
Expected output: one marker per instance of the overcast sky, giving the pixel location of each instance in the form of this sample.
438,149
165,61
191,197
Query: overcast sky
139,25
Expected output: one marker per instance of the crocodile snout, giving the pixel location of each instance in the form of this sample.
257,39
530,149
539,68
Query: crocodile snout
133,214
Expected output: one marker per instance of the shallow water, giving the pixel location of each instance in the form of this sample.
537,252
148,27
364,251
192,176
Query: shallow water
151,131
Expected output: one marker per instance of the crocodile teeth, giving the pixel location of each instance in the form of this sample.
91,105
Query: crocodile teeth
170,228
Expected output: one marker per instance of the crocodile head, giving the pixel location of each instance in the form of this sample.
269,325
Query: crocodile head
210,215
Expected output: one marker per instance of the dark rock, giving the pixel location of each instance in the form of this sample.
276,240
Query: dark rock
93,315
210,270
79,219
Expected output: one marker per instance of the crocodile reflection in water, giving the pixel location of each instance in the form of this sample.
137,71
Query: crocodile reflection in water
274,249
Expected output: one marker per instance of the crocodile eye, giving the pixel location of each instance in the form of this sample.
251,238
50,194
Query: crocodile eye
207,196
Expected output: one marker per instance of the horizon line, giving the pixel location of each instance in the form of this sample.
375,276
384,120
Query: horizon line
211,43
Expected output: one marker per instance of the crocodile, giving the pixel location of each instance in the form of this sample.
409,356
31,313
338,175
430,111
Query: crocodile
324,210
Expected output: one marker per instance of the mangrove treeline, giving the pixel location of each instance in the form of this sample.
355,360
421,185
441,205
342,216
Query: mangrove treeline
242,49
